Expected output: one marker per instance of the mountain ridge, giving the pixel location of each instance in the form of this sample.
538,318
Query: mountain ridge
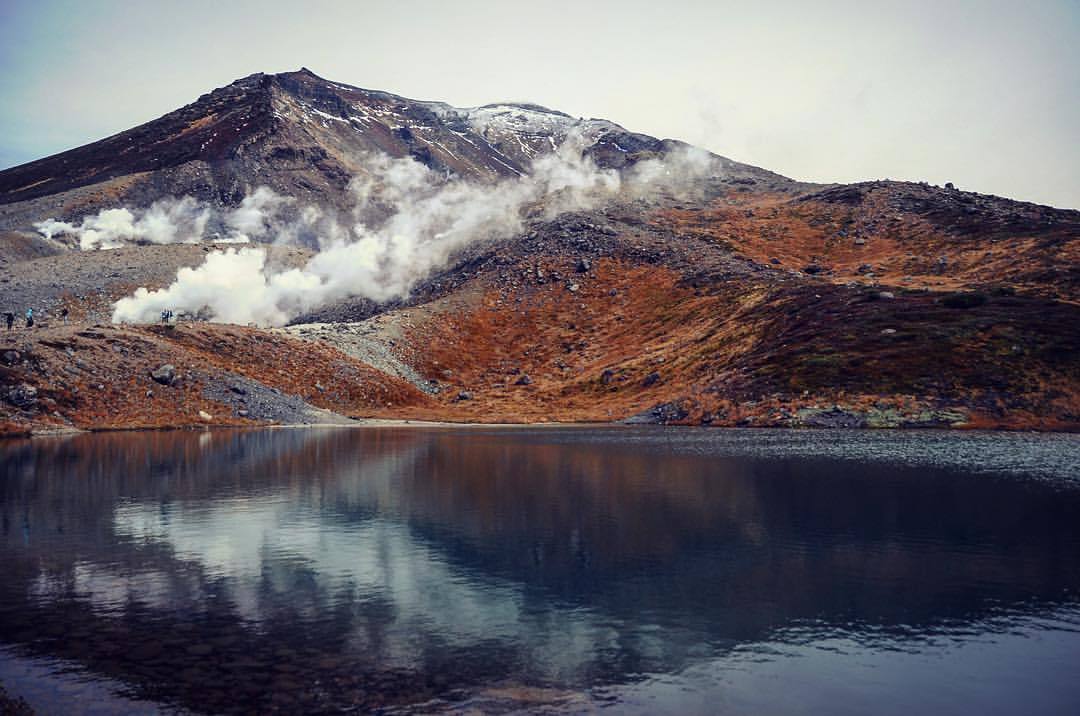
304,137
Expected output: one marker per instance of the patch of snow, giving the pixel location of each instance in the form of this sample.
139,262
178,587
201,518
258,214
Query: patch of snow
325,115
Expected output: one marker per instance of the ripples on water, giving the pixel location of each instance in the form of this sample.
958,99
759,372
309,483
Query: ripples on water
650,570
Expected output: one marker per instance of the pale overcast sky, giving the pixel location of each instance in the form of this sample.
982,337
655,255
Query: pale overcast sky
982,93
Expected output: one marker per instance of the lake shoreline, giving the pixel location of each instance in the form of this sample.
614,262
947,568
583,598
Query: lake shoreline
39,433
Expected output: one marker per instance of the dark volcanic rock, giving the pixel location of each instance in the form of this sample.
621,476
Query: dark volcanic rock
23,396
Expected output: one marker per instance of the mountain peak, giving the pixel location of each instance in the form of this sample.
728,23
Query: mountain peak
303,136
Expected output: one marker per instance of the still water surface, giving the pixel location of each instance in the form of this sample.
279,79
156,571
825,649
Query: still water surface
623,570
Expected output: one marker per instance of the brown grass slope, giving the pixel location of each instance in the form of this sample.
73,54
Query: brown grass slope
99,377
685,316
884,304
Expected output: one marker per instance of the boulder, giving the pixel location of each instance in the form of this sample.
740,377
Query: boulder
464,395
164,374
523,380
22,396
651,379
607,376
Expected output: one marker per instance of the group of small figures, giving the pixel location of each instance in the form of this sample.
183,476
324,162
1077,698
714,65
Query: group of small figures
9,318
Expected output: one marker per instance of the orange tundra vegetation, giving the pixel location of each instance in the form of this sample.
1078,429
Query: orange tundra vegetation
875,305
883,234
634,340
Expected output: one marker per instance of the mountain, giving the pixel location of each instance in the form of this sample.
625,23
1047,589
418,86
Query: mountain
731,297
304,137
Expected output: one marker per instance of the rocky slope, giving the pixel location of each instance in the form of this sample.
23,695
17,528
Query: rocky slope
753,300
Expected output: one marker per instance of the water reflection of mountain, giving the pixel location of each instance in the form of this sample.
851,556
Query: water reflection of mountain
407,555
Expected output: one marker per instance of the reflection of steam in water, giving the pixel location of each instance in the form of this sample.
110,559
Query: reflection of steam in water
267,546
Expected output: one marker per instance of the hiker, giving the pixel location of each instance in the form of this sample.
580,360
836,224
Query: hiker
164,316
64,315
10,317
29,318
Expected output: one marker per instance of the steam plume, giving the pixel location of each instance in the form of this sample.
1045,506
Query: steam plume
428,218
167,221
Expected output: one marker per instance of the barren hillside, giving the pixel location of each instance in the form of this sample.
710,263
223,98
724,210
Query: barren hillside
744,299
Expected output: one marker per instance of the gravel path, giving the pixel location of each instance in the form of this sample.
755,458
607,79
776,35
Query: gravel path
371,341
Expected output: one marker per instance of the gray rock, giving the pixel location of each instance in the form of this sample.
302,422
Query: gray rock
651,379
523,380
164,374
662,414
584,265
464,395
832,418
607,376
22,396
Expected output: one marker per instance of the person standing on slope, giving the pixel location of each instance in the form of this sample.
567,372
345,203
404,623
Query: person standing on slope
29,318
10,318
